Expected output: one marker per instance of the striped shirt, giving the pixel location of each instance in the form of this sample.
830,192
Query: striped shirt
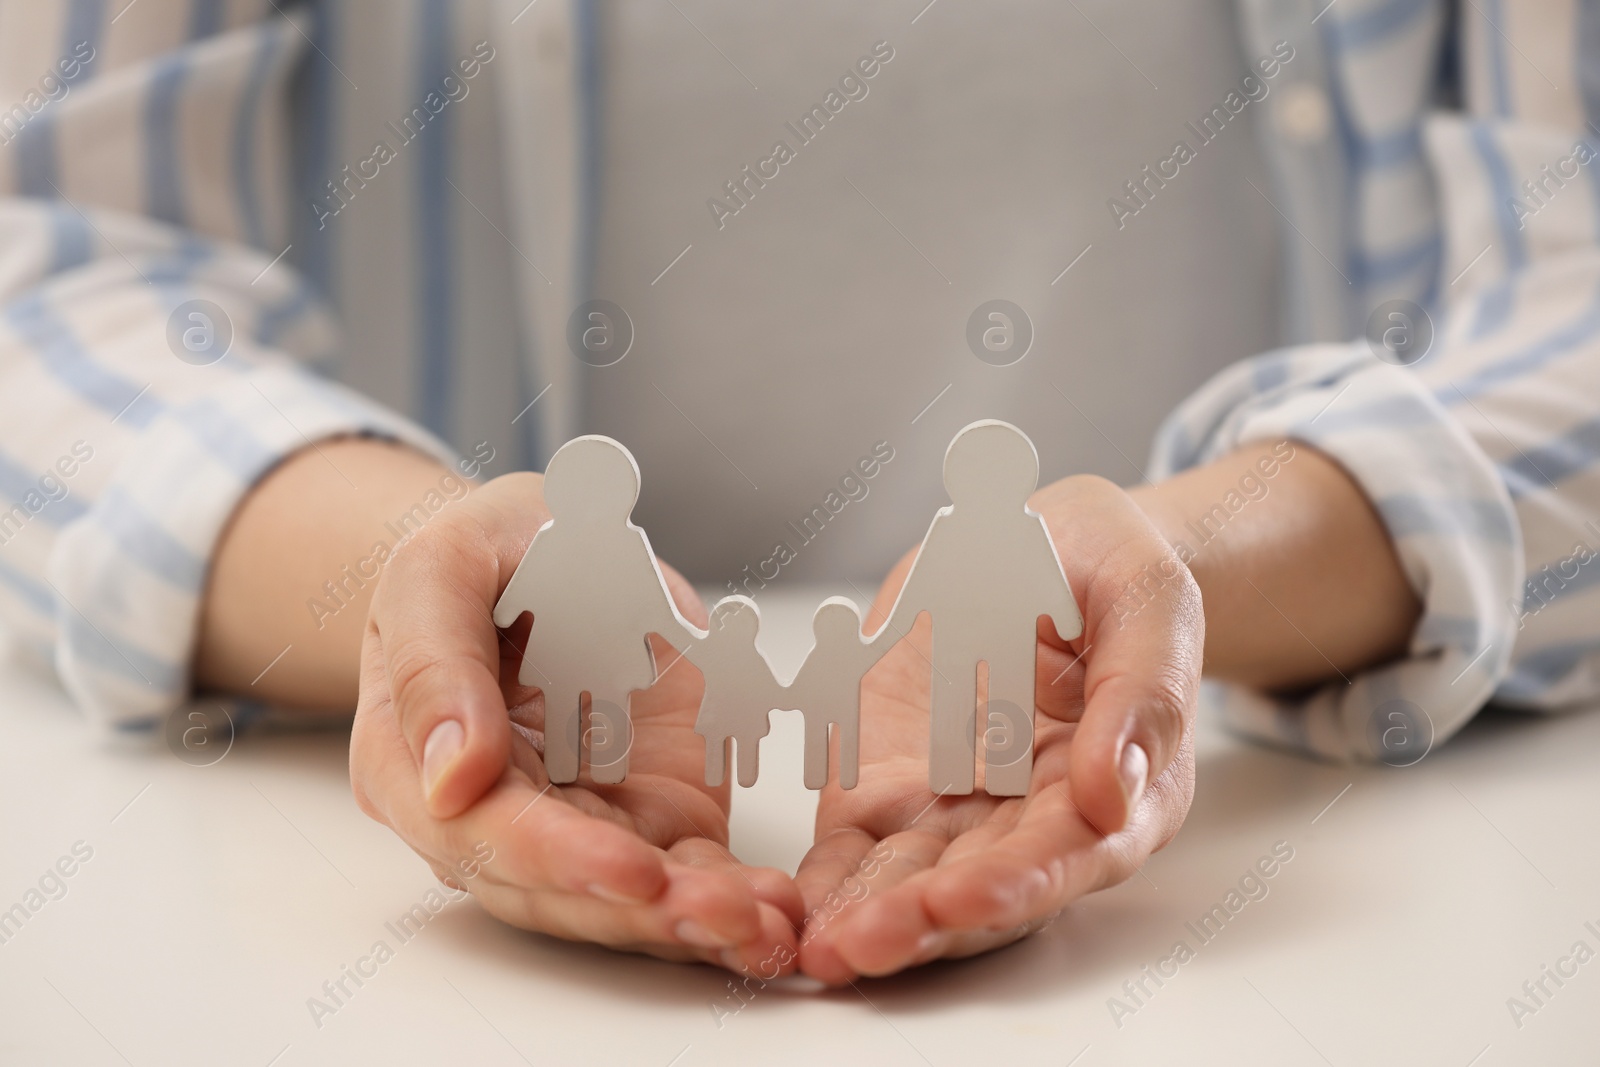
157,160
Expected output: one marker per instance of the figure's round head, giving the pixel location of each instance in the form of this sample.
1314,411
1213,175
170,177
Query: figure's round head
736,617
837,618
991,464
591,479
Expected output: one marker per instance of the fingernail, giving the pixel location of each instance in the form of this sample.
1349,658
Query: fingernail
612,896
730,959
1134,768
692,932
440,751
927,944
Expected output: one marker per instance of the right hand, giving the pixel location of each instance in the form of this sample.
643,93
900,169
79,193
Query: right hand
927,876
446,751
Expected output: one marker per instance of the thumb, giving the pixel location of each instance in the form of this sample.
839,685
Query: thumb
1141,684
431,616
1140,655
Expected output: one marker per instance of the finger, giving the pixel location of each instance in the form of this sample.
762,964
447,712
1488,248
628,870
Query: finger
849,930
847,863
775,888
1141,680
681,924
446,874
1059,671
379,755
539,839
580,918
441,654
1049,859
828,862
828,881
703,909
893,930
1131,730
730,897
775,953
985,834
938,943
551,843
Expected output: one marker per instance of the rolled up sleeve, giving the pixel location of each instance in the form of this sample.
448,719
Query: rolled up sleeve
1444,505
125,453
158,353
1482,456
127,577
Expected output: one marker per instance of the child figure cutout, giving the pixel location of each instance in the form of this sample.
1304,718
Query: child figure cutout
986,571
741,690
595,591
827,689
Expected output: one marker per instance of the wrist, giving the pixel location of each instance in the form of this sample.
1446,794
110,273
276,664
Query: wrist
296,567
1300,581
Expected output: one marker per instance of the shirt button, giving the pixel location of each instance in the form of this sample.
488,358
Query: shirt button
1303,112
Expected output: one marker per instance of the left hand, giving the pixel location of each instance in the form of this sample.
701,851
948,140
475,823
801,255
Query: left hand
642,865
898,877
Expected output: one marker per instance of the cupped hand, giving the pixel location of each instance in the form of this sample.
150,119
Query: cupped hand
446,751
899,876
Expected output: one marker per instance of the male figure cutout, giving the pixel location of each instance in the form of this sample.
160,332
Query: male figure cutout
986,571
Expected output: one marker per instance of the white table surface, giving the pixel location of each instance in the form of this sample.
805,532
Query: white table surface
218,900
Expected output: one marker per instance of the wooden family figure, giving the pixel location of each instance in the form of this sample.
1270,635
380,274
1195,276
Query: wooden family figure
986,571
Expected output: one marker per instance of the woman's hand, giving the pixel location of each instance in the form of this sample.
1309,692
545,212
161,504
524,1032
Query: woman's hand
446,751
925,877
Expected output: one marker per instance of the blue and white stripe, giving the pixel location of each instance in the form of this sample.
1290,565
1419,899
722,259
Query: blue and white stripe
193,156
1483,459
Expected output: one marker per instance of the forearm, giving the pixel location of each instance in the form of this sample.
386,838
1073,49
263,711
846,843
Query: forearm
297,566
1300,581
